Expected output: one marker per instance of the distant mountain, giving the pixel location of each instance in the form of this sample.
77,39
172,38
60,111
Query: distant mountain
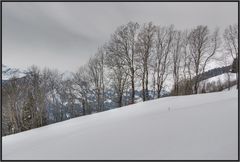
67,75
8,72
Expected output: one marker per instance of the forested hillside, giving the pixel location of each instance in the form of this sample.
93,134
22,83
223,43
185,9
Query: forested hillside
139,62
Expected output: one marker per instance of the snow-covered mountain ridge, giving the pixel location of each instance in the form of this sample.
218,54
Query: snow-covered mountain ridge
8,72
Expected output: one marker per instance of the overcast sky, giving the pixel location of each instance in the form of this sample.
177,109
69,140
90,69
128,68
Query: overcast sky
64,35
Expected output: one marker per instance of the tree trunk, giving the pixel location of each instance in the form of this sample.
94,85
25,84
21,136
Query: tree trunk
143,88
147,94
84,108
133,88
158,90
98,100
196,83
120,100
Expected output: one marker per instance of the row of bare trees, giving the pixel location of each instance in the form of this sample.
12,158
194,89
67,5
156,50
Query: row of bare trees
155,52
137,58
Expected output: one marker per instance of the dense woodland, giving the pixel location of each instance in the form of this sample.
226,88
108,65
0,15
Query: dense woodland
138,60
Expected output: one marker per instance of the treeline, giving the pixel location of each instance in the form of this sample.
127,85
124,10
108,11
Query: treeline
137,58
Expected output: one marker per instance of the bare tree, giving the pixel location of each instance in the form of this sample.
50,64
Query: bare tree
230,36
14,93
52,85
38,113
144,50
96,74
118,71
126,36
164,38
82,89
187,67
203,47
177,55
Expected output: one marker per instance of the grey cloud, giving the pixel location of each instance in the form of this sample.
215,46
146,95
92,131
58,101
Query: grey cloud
65,35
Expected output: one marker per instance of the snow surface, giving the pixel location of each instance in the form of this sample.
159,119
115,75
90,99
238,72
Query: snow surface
195,127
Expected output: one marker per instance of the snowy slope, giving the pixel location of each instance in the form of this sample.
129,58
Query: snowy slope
192,127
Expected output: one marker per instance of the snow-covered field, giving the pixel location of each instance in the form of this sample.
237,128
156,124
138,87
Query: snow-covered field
196,127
